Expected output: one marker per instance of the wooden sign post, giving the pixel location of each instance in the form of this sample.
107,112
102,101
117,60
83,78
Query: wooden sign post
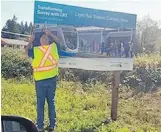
114,104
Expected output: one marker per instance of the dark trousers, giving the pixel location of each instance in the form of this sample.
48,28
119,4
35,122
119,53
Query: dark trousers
45,90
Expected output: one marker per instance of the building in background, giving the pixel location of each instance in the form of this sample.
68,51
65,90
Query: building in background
14,43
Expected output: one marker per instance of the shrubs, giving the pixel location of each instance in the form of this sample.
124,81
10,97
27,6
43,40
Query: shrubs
145,76
15,64
85,76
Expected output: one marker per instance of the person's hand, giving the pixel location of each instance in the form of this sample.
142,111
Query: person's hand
32,38
30,44
47,32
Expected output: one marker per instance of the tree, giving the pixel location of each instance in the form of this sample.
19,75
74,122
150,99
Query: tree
11,26
148,33
14,27
22,28
30,27
26,28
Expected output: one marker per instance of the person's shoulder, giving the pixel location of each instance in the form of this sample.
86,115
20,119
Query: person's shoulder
31,53
30,50
53,43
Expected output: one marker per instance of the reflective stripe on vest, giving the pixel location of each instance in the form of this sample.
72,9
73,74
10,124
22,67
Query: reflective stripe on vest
47,55
44,68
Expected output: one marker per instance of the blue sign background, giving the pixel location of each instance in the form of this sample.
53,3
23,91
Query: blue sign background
59,14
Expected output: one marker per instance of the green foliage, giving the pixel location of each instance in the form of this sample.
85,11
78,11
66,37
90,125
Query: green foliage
145,77
15,64
149,32
85,76
13,26
86,111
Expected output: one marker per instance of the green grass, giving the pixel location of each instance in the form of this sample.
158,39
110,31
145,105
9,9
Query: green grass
83,111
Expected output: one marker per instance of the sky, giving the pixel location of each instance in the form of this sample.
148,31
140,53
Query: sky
23,9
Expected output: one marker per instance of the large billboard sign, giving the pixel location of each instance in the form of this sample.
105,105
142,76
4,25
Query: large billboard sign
90,39
59,14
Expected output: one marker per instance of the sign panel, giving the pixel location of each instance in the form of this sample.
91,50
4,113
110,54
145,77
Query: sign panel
88,48
59,14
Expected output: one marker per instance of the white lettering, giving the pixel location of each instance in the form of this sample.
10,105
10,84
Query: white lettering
43,13
63,14
124,20
88,15
55,14
98,17
79,15
49,8
112,19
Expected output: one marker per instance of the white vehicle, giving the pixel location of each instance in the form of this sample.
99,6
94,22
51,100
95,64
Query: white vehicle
67,35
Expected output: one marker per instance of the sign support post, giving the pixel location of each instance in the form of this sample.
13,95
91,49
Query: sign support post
114,104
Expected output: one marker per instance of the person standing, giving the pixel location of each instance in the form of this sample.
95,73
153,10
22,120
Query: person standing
126,48
102,47
93,46
45,72
122,50
131,49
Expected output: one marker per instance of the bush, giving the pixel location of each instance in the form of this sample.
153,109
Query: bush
145,76
85,76
15,64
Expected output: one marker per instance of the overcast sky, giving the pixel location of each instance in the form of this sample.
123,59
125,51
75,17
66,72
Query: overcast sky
23,9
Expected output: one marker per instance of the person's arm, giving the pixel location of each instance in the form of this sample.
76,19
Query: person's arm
30,44
55,38
49,33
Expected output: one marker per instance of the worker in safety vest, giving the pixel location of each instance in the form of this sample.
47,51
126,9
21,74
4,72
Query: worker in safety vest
45,71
